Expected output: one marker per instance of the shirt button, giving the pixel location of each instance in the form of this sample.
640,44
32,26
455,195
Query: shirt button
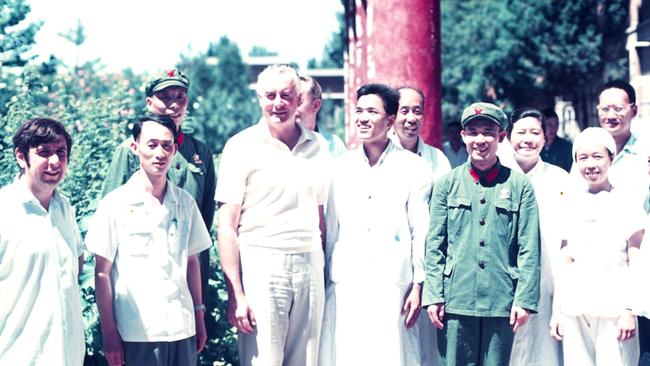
481,243
482,222
481,265
482,200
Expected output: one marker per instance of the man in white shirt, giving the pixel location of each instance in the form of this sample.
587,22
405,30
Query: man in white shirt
616,109
146,236
41,254
271,190
406,131
377,223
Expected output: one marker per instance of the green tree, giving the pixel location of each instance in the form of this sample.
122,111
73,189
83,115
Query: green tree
222,103
16,38
261,51
527,53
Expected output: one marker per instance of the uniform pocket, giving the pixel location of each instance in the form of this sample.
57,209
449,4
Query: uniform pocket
506,211
459,209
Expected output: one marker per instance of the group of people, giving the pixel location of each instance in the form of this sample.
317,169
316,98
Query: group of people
388,254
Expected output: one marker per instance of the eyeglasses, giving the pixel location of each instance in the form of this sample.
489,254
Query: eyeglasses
617,108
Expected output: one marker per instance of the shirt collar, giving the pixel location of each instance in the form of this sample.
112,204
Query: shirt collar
392,135
305,134
361,152
136,195
25,197
180,138
487,177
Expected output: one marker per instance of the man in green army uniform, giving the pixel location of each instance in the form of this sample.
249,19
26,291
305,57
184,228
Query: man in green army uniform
192,168
482,251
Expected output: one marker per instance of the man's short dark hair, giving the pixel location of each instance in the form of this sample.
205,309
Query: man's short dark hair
527,112
550,113
159,118
399,90
388,95
620,84
37,131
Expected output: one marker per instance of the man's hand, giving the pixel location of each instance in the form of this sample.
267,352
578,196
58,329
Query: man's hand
113,349
436,314
201,333
626,325
518,317
411,306
556,327
241,315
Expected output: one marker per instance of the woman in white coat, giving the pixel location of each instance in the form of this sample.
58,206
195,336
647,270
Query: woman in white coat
594,292
532,345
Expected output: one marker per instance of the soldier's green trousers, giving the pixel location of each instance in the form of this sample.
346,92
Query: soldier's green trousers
475,341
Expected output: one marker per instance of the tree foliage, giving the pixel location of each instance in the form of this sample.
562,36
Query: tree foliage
16,38
223,104
527,53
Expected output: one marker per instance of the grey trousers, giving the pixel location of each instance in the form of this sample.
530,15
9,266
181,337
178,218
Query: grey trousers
176,353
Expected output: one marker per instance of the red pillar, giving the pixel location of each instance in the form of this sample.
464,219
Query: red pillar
397,43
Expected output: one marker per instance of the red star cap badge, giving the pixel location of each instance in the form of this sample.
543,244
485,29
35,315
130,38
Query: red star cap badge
170,73
478,110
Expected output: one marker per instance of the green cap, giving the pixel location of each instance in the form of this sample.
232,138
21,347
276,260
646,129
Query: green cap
487,111
165,79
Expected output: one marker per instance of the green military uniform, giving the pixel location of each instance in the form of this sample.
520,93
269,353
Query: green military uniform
482,258
192,169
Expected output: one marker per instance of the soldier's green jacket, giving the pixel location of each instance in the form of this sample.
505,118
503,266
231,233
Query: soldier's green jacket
483,246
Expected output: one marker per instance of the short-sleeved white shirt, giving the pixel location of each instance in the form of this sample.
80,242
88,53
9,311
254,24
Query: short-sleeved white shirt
40,306
279,190
598,282
435,157
149,244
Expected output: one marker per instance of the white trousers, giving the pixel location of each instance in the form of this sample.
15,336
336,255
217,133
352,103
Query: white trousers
592,341
286,295
370,328
533,345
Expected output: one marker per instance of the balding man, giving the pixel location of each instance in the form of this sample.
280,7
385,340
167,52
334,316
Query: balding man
271,191
406,131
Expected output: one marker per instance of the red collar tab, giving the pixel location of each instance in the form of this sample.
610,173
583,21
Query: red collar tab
180,138
488,177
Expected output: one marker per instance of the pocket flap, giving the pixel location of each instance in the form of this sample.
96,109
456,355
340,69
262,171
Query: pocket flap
505,204
459,201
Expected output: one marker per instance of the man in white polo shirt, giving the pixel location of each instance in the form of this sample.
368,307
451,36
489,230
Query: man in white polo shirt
41,254
146,236
271,190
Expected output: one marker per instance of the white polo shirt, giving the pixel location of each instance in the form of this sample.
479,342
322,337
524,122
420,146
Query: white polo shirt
40,307
279,190
149,244
435,157
379,218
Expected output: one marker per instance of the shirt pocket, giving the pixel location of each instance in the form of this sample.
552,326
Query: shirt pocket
506,211
135,243
459,209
